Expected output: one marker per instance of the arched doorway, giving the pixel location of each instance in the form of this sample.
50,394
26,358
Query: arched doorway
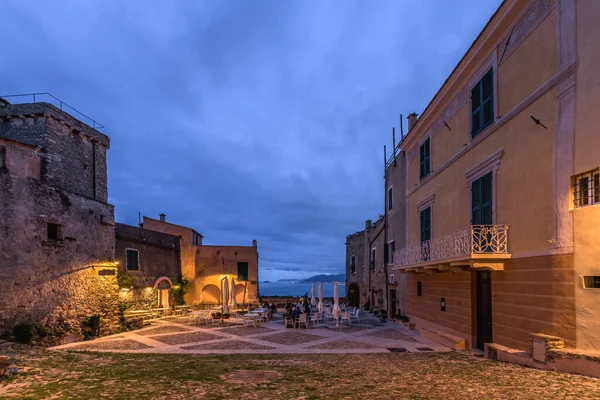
211,294
353,295
163,285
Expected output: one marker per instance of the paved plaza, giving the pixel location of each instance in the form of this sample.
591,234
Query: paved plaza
180,335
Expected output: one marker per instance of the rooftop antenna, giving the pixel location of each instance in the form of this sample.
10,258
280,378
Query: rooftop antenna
140,219
394,143
384,162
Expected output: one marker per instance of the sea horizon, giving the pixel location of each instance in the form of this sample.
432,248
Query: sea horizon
298,289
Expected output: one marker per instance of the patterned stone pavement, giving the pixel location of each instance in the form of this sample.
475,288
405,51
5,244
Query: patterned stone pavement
176,335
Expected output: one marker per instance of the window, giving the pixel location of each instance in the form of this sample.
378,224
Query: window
586,188
352,264
591,282
419,288
54,232
2,157
482,104
425,159
391,249
373,258
196,239
392,278
390,198
133,260
242,271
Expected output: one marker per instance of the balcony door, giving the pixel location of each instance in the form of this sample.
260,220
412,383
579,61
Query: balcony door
481,200
425,217
481,214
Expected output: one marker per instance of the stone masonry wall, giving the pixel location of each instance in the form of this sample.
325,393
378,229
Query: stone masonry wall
52,283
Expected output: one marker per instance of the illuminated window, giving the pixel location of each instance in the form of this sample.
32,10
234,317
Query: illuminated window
591,282
586,188
133,260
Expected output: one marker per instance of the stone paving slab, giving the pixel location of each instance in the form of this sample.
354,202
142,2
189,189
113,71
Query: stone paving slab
228,345
291,338
394,334
184,338
343,344
247,330
161,329
122,344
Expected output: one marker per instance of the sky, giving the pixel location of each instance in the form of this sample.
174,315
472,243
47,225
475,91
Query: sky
244,119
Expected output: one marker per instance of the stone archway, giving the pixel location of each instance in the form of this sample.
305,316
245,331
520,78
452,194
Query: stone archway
211,294
163,285
353,295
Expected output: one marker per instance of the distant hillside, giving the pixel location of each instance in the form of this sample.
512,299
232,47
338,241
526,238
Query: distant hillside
326,278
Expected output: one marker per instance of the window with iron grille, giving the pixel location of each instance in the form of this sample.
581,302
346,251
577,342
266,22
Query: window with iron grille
482,104
133,260
586,188
591,282
425,159
353,264
391,249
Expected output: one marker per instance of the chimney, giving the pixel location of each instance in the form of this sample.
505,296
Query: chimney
163,217
412,120
254,243
368,224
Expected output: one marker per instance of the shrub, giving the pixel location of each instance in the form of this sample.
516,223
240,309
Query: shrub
180,287
42,331
23,333
125,280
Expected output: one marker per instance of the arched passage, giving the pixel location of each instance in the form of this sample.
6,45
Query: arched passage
353,295
239,293
163,285
211,294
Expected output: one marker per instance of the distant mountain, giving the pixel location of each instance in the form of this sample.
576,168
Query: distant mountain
326,278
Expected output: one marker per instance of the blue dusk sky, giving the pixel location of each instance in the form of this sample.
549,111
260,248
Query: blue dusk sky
261,119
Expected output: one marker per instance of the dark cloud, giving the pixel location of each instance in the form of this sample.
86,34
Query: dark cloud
244,119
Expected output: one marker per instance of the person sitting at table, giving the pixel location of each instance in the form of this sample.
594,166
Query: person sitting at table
272,310
295,312
288,315
250,307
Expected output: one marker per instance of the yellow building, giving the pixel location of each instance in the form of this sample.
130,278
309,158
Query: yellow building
502,185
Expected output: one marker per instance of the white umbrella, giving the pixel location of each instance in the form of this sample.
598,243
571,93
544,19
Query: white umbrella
225,296
320,298
233,300
313,301
336,302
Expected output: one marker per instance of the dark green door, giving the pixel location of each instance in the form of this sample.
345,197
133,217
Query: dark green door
425,217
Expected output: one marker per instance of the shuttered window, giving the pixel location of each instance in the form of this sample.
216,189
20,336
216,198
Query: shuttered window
425,159
132,259
482,104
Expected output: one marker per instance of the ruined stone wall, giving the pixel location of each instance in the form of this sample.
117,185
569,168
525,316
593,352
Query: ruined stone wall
52,283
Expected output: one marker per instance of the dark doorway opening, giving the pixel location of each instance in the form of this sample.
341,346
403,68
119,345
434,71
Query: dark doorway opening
484,308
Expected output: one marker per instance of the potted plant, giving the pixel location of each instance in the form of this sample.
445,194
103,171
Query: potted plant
219,315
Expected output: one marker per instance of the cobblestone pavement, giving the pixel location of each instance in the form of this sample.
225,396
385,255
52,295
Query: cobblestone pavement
177,335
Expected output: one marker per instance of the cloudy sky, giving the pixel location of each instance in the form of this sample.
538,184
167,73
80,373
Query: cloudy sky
261,119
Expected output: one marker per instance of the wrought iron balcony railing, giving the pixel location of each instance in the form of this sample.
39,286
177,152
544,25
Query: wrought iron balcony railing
475,241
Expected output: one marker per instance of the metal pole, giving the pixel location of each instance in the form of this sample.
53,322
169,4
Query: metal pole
394,142
384,162
401,128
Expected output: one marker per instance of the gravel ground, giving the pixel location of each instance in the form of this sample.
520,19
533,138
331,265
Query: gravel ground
50,374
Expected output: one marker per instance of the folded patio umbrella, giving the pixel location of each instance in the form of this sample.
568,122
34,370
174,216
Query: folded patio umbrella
320,297
225,296
336,302
313,301
233,299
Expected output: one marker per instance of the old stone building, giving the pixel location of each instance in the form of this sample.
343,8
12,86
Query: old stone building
365,266
57,230
149,267
205,267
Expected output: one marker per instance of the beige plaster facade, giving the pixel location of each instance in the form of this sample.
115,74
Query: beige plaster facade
539,245
205,266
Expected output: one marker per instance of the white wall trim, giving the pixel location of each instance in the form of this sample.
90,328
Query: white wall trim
490,163
425,202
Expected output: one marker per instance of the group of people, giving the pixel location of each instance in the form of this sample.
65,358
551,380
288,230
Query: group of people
293,311
271,307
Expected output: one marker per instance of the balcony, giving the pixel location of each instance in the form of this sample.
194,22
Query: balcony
482,247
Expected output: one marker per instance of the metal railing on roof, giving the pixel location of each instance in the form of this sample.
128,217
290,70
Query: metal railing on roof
55,101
